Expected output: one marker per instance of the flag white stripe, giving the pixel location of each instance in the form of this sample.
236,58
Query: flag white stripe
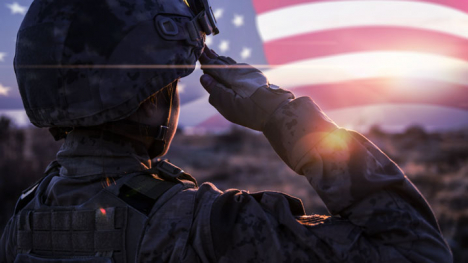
348,67
311,17
364,65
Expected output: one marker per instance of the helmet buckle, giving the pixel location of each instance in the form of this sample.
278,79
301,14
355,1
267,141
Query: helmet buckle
162,132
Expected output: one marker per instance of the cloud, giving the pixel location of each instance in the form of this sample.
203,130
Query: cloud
4,90
2,56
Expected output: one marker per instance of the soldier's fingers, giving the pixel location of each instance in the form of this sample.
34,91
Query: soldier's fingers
210,53
204,59
225,101
234,108
229,60
216,68
208,82
207,55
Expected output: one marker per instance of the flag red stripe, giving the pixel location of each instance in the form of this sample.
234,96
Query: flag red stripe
377,91
363,39
262,6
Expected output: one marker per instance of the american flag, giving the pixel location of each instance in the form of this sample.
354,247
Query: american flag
364,62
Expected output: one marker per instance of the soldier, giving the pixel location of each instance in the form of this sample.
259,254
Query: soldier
82,68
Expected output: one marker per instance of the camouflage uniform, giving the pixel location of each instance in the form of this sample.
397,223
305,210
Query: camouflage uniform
377,214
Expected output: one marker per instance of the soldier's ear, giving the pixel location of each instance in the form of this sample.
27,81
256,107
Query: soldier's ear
148,108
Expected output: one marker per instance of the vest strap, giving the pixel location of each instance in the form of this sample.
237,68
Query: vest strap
142,191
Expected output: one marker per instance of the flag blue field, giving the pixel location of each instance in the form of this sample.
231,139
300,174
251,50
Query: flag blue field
390,63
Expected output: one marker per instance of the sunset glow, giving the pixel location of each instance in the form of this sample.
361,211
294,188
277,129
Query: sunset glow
377,64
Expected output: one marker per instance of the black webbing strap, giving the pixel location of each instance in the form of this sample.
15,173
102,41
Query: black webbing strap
86,232
148,186
142,191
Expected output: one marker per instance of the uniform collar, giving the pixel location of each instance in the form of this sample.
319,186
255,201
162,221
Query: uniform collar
87,152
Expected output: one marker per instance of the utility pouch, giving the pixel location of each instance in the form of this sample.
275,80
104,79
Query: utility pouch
73,235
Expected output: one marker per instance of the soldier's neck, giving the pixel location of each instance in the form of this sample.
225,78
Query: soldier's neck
87,152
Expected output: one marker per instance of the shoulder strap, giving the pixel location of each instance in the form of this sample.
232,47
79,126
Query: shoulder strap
28,194
142,191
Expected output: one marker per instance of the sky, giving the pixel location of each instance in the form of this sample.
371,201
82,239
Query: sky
387,63
11,16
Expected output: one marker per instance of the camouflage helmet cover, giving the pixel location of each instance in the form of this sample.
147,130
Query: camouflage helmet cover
87,62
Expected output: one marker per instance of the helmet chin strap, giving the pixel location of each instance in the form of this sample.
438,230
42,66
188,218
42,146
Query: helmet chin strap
164,133
169,113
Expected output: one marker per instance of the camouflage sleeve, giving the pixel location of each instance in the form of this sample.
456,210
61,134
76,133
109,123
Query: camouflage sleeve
7,248
377,214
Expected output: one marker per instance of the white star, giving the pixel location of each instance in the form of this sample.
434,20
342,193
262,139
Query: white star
246,52
218,13
4,90
224,46
209,40
17,8
238,20
2,56
181,87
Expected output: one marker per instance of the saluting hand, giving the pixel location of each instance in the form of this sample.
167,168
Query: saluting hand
240,92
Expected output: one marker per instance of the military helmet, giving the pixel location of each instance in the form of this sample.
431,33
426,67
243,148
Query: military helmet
88,62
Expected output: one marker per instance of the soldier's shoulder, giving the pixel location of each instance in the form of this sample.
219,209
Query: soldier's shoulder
28,194
202,195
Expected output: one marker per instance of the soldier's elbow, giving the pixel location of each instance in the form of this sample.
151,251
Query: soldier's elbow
431,250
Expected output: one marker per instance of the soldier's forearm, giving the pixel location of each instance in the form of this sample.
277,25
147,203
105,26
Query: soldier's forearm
294,130
342,166
355,179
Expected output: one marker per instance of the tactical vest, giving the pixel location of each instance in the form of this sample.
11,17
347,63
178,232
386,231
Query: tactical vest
107,228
